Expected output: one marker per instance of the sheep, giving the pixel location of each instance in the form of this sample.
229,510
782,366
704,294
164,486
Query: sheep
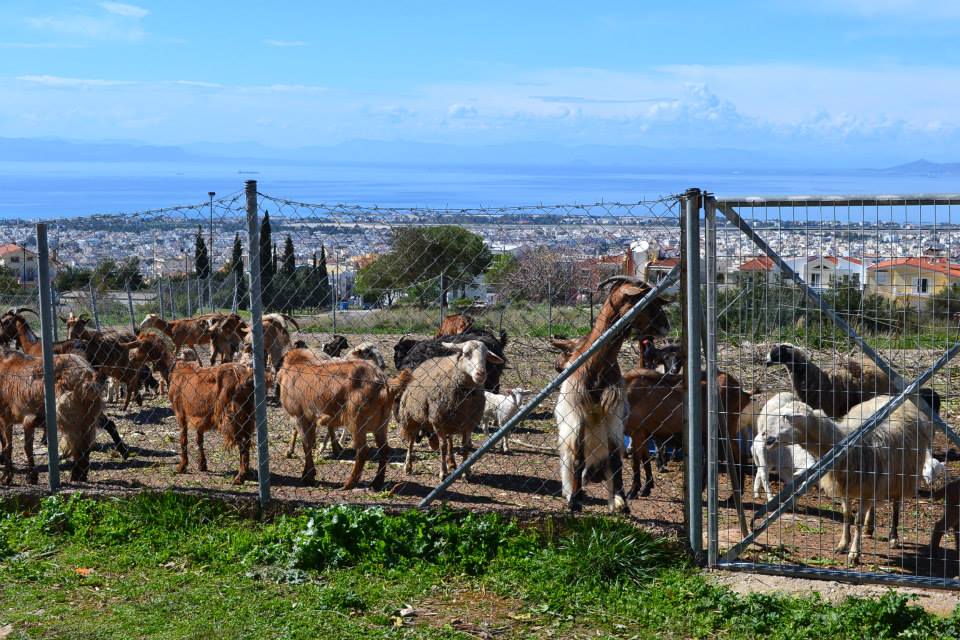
454,324
318,392
590,411
219,397
498,409
786,460
445,398
886,465
22,401
420,352
363,351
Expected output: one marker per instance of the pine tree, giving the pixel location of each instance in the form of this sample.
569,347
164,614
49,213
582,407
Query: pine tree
289,260
201,259
266,262
236,266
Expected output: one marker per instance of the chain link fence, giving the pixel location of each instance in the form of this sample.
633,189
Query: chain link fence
373,322
840,315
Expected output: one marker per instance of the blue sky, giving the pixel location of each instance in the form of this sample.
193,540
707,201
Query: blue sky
860,79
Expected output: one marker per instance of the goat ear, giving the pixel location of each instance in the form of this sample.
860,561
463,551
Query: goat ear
564,344
493,358
635,289
453,346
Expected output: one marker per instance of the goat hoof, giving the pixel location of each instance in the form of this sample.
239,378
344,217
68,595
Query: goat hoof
33,477
645,490
240,479
894,543
853,558
123,450
202,467
182,467
633,493
841,548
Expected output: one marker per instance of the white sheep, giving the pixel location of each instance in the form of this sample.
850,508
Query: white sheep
887,464
499,408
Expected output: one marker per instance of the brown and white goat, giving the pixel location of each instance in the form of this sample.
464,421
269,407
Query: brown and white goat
213,398
79,409
320,393
590,411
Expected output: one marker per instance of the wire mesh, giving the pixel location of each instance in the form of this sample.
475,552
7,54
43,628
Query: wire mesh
356,301
888,268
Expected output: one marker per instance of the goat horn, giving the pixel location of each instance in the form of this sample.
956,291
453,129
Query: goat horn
27,310
292,321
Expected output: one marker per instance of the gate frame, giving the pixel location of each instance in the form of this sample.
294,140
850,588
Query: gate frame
799,485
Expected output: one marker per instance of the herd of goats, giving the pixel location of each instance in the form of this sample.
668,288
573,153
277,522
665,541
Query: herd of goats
449,386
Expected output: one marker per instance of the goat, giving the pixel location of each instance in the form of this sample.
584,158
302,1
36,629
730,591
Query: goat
276,338
318,393
363,351
590,410
498,409
445,398
949,497
79,409
218,397
655,411
186,332
226,336
437,347
886,465
335,346
454,324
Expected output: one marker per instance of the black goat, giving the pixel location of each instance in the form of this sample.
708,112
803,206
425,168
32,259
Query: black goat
409,354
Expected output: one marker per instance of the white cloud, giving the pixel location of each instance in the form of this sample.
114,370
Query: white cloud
912,10
462,111
285,43
125,10
58,81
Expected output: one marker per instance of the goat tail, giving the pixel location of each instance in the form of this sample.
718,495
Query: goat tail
398,384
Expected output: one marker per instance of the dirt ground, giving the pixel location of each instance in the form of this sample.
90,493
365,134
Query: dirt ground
526,479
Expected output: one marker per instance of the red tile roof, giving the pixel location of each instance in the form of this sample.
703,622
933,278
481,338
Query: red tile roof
761,263
939,265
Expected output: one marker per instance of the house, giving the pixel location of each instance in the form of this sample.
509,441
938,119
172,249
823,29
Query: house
820,272
911,281
19,261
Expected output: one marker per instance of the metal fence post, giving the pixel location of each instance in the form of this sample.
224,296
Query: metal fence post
694,480
189,305
93,306
713,450
256,320
133,318
236,283
163,314
549,309
46,333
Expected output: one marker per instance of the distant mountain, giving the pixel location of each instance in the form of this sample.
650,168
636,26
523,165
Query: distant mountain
52,150
924,168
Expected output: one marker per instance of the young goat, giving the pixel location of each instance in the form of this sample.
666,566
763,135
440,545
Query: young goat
500,408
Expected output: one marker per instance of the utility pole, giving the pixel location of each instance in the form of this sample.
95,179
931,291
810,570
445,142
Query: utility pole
210,254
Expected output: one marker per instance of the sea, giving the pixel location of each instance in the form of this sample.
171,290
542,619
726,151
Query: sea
51,190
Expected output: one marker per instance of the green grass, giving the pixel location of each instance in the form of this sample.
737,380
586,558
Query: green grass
169,566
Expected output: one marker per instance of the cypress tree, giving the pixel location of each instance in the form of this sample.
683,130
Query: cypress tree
324,293
236,266
201,259
289,260
266,262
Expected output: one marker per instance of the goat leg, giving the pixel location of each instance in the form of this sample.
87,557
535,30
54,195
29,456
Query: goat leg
81,466
854,556
202,462
938,530
894,525
6,453
361,453
466,448
108,425
868,523
383,455
308,438
29,427
445,445
616,500
575,501
844,543
184,456
293,443
408,462
243,444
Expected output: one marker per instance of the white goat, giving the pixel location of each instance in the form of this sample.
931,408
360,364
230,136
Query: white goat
499,408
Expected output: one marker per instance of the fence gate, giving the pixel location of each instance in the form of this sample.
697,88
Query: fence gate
841,300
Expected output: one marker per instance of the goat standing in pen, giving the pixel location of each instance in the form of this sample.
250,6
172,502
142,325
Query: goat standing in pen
590,411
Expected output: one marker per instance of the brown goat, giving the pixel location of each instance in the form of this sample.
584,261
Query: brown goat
656,411
186,332
454,324
226,336
207,398
354,394
590,409
79,409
